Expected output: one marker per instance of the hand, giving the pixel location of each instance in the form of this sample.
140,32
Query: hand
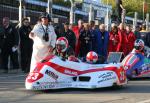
31,35
50,48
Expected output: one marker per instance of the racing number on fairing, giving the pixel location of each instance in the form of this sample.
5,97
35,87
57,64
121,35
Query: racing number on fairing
34,76
122,75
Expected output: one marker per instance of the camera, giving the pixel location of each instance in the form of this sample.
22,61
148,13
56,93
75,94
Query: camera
45,37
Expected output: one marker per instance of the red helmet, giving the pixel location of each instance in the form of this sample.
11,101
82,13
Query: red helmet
91,57
61,44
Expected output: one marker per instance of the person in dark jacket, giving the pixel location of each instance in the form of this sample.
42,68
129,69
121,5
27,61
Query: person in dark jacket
94,35
25,45
10,45
69,34
85,39
103,40
2,32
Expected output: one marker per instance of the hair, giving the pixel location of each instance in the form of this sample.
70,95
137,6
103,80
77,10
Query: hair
6,18
92,22
24,19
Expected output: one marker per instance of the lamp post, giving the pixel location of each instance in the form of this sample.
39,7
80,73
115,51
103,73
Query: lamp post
20,13
143,9
91,13
107,28
49,7
72,12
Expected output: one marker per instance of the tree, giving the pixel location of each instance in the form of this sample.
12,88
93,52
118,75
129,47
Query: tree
131,6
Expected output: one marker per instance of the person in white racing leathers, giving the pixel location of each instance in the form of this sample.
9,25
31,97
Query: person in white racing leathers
44,39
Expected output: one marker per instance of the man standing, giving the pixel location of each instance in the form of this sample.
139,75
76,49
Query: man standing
85,40
25,45
94,35
69,34
77,30
103,38
44,38
10,45
130,39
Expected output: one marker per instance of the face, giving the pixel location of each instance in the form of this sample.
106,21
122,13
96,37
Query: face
66,27
80,23
128,29
137,29
60,48
102,28
5,22
86,26
121,26
115,29
44,21
26,22
70,27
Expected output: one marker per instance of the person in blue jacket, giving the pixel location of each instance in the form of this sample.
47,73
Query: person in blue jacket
102,41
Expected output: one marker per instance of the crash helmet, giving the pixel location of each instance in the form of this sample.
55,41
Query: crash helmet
45,15
139,44
61,44
91,57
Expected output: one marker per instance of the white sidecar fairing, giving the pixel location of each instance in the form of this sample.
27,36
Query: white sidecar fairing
54,73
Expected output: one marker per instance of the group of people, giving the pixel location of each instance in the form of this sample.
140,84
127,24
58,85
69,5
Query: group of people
12,40
84,41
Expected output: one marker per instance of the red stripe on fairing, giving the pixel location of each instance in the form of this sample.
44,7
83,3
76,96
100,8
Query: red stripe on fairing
63,70
144,73
128,59
134,62
73,72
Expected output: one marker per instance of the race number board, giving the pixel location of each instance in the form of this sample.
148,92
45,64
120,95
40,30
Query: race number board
114,57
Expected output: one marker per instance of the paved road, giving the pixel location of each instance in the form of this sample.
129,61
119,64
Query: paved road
12,90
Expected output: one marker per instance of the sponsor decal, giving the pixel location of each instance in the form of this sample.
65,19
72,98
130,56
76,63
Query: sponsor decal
106,79
106,76
145,68
51,74
50,85
70,72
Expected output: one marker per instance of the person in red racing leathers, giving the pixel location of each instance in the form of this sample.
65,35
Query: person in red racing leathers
63,50
123,39
130,39
77,30
113,39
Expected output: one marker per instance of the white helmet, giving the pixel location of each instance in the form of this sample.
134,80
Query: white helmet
139,44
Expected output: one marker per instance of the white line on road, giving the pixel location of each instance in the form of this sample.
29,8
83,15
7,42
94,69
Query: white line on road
18,82
145,101
12,76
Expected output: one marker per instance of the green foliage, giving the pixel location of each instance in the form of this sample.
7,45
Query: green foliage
131,6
